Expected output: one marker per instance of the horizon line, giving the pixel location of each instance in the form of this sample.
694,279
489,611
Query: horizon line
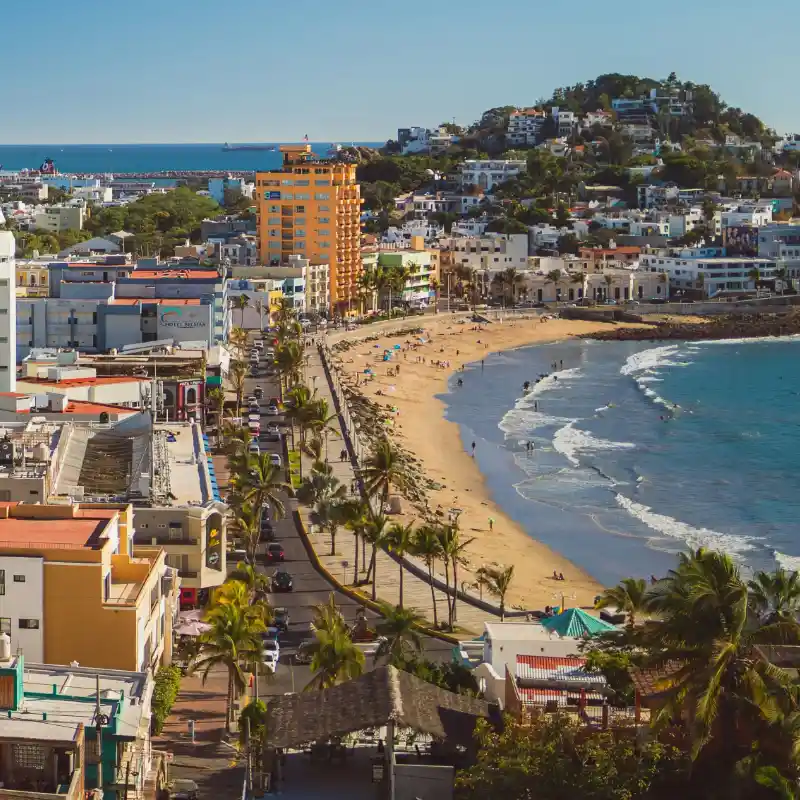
181,144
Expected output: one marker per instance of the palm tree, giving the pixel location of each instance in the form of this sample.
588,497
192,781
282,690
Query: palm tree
237,376
234,638
289,360
256,583
383,469
435,286
321,485
429,548
400,628
355,514
242,302
629,597
261,484
782,274
375,533
400,539
297,410
328,515
555,277
237,338
453,548
497,581
707,630
510,280
319,419
259,306
215,398
327,616
775,595
334,659
609,281
755,276
247,519
252,733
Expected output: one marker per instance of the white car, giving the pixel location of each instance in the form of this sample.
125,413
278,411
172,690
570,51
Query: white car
270,653
252,400
272,411
258,344
276,460
253,447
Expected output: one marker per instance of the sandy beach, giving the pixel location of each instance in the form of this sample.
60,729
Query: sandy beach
421,428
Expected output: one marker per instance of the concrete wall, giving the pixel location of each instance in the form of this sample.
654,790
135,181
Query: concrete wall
423,782
23,598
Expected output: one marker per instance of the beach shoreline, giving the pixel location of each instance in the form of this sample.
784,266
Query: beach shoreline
419,425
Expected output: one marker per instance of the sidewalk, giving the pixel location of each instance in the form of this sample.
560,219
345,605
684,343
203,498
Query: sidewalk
416,592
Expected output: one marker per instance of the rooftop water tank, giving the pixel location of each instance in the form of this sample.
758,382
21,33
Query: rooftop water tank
5,647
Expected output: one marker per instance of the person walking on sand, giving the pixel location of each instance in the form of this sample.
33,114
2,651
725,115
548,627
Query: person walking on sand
491,523
482,360
473,449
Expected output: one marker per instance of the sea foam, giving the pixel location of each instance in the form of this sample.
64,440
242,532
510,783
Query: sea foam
692,537
649,360
571,441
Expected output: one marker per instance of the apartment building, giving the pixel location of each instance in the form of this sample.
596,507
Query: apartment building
713,275
566,122
32,278
8,313
488,174
62,564
525,127
490,251
311,207
55,219
422,265
780,241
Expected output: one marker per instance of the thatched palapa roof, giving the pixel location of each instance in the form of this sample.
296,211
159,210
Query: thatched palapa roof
370,701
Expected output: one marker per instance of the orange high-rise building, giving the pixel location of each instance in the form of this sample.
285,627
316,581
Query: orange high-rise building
312,207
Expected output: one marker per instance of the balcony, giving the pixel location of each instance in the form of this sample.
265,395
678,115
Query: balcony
186,573
53,776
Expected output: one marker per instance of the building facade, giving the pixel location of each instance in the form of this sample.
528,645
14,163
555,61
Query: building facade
8,313
312,208
488,174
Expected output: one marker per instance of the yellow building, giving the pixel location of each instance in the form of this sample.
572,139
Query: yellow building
312,208
33,279
74,588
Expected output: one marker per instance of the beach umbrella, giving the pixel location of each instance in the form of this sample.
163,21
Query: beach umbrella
576,623
397,347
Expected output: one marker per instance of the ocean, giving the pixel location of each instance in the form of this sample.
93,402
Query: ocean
642,450
118,158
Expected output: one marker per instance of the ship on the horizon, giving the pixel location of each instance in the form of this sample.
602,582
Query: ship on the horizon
227,148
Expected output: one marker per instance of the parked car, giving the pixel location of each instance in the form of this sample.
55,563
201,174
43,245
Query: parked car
258,344
304,652
252,400
183,789
258,392
281,616
282,581
276,460
266,532
269,659
253,447
275,552
273,411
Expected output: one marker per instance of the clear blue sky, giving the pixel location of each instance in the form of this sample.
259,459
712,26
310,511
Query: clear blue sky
112,71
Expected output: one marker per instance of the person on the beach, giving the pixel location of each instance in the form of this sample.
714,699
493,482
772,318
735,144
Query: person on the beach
473,449
491,523
555,575
460,382
561,576
535,405
482,365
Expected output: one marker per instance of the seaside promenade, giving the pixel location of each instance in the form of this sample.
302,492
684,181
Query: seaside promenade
416,592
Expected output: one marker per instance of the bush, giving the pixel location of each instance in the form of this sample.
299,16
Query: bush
168,682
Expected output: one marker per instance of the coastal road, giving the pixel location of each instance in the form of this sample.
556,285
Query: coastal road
310,588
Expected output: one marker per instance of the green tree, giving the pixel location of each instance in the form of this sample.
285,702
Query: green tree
400,540
400,629
629,596
237,375
334,658
375,532
428,547
383,469
497,581
775,596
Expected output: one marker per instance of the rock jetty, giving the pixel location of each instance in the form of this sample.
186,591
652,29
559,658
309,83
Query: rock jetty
728,326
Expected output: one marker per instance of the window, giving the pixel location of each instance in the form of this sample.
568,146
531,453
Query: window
323,208
288,196
286,181
19,578
274,209
29,756
106,587
29,624
322,196
274,221
324,232
321,183
5,625
2,581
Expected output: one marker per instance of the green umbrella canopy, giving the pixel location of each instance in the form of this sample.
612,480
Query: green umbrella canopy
576,623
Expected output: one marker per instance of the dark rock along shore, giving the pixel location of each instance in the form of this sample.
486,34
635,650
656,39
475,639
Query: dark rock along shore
724,327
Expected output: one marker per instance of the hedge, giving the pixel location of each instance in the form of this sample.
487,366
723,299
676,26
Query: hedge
167,684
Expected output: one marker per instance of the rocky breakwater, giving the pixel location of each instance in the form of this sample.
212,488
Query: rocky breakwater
739,326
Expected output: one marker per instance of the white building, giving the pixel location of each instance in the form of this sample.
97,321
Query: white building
525,127
599,117
492,251
566,122
755,216
55,219
488,174
714,275
8,313
95,194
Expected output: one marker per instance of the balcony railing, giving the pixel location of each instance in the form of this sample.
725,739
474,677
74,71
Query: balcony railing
185,573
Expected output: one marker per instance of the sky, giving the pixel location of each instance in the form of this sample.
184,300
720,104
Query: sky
112,71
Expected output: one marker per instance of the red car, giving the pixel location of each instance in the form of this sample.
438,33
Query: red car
275,552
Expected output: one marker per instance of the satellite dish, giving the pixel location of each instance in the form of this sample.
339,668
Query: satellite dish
429,172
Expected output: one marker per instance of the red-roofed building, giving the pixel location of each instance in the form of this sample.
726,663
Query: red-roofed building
625,255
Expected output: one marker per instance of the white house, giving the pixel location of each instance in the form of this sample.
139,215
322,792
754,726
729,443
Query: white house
599,117
8,313
487,174
525,126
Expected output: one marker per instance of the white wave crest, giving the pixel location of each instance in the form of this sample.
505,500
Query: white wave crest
522,419
791,563
552,381
693,537
570,441
649,360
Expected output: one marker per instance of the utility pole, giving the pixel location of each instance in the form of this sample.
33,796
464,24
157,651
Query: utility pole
249,773
100,720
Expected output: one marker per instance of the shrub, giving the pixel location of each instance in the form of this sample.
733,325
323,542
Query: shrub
167,684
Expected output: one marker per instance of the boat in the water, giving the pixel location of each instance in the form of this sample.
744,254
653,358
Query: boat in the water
227,148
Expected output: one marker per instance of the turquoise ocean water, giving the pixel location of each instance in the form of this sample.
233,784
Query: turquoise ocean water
147,157
643,450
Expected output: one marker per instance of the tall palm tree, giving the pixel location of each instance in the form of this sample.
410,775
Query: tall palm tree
328,515
383,469
321,485
233,639
259,306
453,547
510,280
320,421
555,277
400,627
247,519
240,302
237,376
356,515
261,484
782,274
289,360
775,595
400,539
215,399
328,616
300,397
256,583
629,596
238,339
609,281
706,628
435,286
429,548
755,276
334,659
497,581
375,533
